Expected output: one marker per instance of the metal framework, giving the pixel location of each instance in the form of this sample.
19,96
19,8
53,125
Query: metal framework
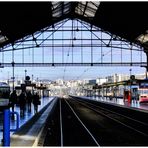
48,38
143,64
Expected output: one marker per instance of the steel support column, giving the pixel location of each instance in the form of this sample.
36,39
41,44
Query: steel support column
146,52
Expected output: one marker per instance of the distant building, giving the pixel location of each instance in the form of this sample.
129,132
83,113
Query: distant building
140,76
100,81
122,77
92,81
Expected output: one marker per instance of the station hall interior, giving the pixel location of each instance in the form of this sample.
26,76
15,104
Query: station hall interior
73,67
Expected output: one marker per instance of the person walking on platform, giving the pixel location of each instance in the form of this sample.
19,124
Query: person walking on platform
13,101
36,102
22,103
29,101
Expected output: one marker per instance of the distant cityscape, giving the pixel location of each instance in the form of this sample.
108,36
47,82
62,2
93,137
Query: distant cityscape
61,87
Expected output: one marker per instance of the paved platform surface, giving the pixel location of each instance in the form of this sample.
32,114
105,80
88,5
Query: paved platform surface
119,101
30,133
23,120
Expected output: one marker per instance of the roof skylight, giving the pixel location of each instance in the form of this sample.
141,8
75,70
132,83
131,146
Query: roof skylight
2,38
143,38
60,8
88,9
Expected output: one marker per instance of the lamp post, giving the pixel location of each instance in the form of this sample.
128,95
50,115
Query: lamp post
32,84
8,77
32,77
25,73
116,79
130,84
130,72
13,74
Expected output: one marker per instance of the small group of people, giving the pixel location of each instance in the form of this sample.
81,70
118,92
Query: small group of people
25,99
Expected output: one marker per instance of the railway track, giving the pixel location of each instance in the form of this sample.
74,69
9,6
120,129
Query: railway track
132,123
79,123
67,128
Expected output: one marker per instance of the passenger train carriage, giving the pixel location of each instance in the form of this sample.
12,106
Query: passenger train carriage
143,92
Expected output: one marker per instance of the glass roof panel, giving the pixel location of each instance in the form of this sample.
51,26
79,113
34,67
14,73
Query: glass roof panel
89,13
60,8
93,5
66,7
80,8
79,11
55,5
83,3
88,9
56,14
66,10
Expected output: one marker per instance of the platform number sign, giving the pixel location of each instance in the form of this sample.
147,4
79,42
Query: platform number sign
132,77
27,78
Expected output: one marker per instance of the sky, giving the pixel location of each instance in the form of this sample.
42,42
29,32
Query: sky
70,54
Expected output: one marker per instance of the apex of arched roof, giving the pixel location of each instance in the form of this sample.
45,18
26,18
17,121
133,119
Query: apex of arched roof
124,19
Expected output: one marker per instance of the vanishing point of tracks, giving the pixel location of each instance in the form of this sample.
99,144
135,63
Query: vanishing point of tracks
80,123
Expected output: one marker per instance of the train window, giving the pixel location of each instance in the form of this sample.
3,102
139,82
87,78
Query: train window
144,96
143,91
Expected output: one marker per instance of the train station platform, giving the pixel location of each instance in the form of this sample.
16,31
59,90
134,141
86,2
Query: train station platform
27,117
31,125
119,101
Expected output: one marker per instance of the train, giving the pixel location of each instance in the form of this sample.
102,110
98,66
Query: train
143,95
4,90
139,92
4,94
143,92
128,90
136,90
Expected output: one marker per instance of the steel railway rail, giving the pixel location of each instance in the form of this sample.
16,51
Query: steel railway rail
136,125
80,123
71,129
116,129
91,137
